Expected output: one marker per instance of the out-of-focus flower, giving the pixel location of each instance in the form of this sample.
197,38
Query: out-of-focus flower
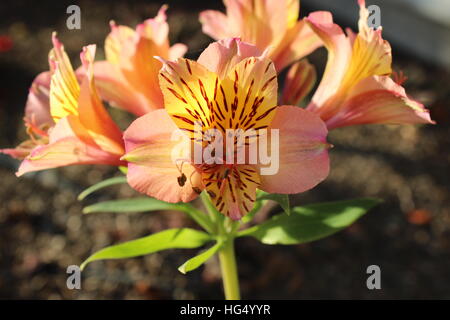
231,86
356,87
66,120
299,81
38,119
6,43
128,79
270,24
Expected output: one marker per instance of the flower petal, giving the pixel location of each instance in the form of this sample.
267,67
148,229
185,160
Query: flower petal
215,24
189,89
64,88
119,37
248,95
339,56
303,155
37,109
297,43
93,115
68,146
115,88
232,190
379,99
151,169
221,56
299,81
177,51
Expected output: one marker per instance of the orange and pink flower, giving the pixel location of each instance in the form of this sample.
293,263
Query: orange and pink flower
231,86
266,24
128,78
66,119
356,87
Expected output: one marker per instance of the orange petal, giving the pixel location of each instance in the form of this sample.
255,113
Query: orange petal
116,89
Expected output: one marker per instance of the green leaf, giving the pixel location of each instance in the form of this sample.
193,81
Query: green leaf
311,222
168,239
281,199
200,259
101,185
146,204
134,205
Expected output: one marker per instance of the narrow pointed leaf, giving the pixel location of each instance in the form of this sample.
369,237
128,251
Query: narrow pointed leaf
183,238
133,205
101,185
311,222
147,204
200,259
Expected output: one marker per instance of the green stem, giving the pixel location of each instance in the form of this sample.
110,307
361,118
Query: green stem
226,231
228,267
215,216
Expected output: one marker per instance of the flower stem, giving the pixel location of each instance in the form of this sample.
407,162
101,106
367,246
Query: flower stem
225,229
228,267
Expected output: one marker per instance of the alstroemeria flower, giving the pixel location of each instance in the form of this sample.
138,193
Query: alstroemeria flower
356,87
128,79
270,24
231,86
80,129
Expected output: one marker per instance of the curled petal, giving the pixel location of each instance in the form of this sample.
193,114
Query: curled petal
119,37
302,150
379,99
37,109
299,81
69,144
339,55
152,169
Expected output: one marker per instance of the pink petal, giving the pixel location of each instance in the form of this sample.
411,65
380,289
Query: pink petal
221,56
379,99
303,154
151,169
339,55
67,147
37,109
215,24
177,51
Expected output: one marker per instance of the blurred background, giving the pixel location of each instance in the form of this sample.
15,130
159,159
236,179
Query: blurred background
42,229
